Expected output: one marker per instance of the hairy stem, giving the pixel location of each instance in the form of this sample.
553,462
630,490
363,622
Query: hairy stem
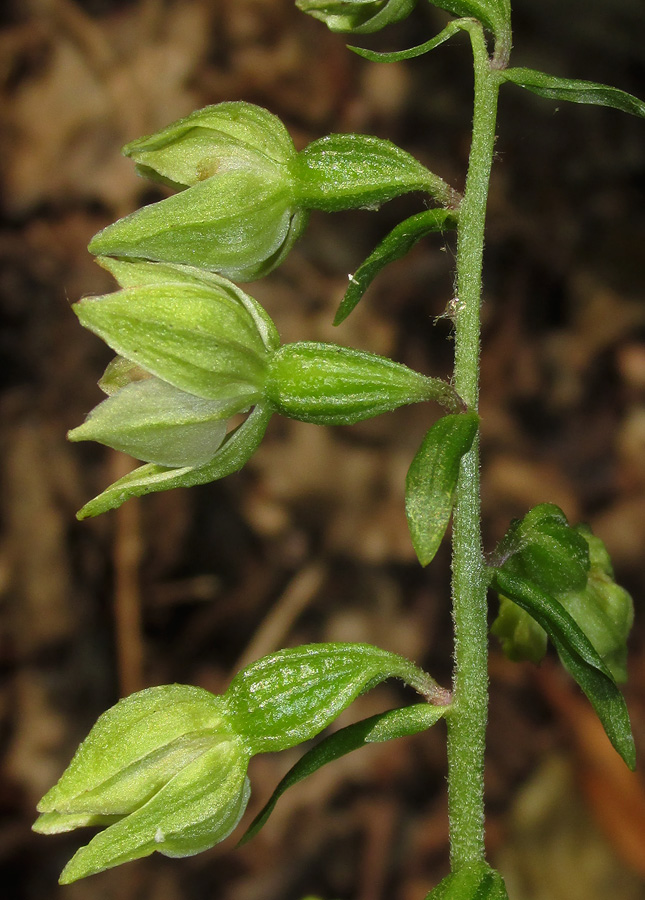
467,723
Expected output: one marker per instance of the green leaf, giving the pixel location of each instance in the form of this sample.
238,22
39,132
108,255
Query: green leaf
603,609
360,171
578,655
383,727
394,246
550,614
432,479
574,90
419,50
289,697
473,882
543,548
236,450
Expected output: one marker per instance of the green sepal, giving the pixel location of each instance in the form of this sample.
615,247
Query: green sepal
156,422
163,769
193,349
357,16
235,452
476,881
212,141
241,224
394,246
574,90
432,479
386,726
146,734
290,696
132,273
327,384
201,341
359,171
196,809
578,656
573,566
420,50
519,634
543,548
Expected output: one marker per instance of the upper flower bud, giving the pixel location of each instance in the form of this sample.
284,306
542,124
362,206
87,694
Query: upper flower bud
245,192
236,213
192,351
358,16
174,780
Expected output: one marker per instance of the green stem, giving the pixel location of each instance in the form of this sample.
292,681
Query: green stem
467,722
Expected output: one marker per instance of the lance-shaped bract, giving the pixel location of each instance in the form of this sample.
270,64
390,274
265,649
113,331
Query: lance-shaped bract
164,769
357,16
193,351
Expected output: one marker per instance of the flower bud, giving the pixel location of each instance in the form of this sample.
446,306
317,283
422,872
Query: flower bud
332,385
236,213
192,351
174,780
572,565
358,16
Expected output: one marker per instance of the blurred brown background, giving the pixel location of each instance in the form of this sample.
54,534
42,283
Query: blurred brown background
309,541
